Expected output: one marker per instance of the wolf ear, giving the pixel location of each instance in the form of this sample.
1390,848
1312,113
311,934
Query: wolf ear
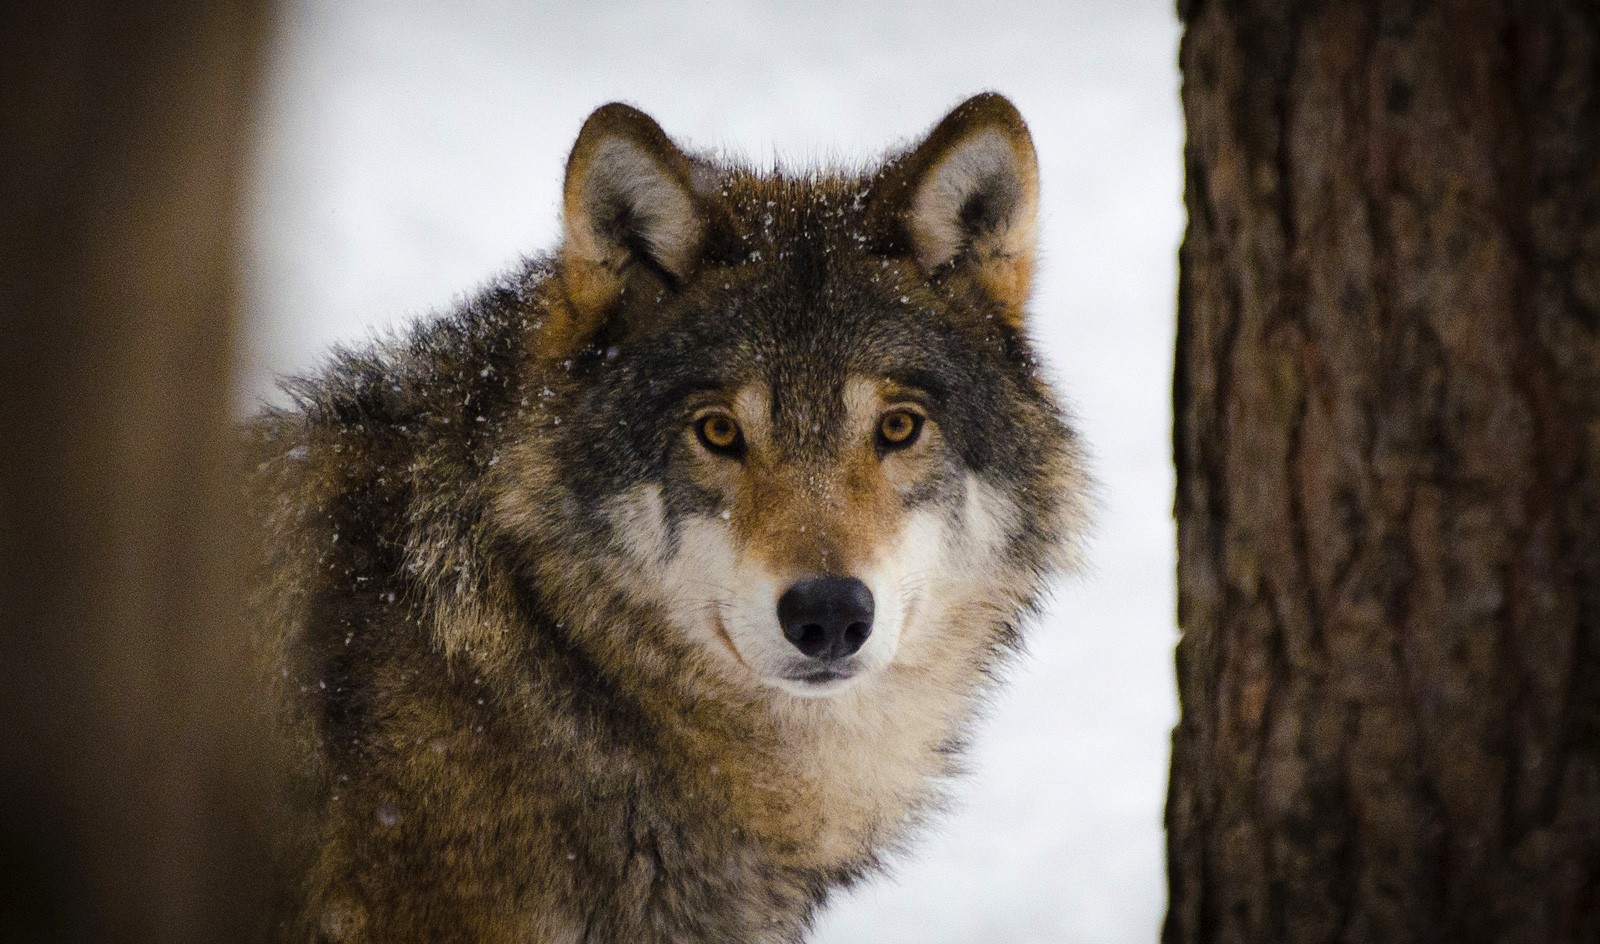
966,199
628,205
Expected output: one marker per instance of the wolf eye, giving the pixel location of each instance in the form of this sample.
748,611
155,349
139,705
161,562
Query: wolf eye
899,429
720,433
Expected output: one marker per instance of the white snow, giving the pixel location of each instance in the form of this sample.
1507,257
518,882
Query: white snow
412,150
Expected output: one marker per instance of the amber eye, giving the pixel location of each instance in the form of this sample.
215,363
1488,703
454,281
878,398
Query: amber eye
899,429
719,432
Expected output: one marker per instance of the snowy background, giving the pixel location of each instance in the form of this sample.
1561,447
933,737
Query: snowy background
415,149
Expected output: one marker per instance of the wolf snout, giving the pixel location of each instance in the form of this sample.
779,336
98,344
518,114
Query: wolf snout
826,617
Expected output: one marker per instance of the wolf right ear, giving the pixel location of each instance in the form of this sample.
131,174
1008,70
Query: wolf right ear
628,205
965,200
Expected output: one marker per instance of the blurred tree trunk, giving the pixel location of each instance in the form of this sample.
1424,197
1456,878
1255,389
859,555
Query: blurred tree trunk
1387,407
128,811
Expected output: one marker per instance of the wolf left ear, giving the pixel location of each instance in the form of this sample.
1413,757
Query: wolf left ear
966,200
629,209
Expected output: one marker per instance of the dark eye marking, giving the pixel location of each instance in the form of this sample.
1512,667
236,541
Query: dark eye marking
899,429
720,434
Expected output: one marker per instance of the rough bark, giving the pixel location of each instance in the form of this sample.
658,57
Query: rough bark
1387,409
128,811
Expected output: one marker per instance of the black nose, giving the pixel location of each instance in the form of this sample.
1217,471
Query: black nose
826,617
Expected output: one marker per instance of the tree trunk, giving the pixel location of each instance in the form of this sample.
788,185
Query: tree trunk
1387,409
128,808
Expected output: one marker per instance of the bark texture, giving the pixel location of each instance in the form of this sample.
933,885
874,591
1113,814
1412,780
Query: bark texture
128,810
1387,408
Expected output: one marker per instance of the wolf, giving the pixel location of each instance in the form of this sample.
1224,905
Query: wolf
647,596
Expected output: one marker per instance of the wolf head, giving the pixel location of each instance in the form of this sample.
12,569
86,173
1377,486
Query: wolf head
797,416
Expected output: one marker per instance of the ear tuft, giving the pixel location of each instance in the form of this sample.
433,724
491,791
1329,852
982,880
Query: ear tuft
967,199
628,202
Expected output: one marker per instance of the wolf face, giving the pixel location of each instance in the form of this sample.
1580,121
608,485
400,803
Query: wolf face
796,415
803,536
